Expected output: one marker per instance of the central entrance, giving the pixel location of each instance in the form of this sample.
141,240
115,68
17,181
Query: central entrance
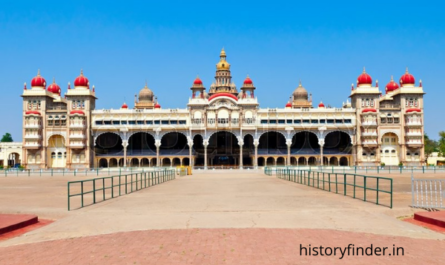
223,149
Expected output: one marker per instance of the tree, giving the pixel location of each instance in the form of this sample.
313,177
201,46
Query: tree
430,146
441,144
6,138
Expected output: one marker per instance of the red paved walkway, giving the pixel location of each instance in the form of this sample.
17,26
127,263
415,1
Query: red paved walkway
219,246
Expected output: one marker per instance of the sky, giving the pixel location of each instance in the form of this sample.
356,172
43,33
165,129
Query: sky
122,44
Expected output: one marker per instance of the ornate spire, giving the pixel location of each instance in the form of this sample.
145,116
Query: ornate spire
81,72
24,88
377,83
38,72
69,85
364,69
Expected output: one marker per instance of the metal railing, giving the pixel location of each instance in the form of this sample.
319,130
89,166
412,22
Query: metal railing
115,186
369,169
17,172
428,193
366,188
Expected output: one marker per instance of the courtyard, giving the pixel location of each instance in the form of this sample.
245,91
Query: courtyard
205,213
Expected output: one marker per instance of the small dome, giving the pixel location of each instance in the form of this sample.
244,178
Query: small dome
157,106
391,86
38,81
54,88
124,106
197,81
247,81
145,94
289,105
300,93
81,80
407,79
364,79
321,105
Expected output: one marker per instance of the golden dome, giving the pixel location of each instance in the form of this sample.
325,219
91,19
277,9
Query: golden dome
145,94
222,64
300,93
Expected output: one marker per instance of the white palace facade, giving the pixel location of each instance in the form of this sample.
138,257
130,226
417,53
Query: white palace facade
223,127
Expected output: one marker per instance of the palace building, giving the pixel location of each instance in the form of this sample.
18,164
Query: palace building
223,126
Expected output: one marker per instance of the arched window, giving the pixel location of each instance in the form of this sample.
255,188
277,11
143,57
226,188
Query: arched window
53,155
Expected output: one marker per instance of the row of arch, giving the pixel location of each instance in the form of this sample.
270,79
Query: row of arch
143,162
303,161
142,142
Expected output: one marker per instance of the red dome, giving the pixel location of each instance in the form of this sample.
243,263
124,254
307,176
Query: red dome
157,106
77,112
124,106
54,88
288,105
247,81
38,81
407,79
321,105
364,79
81,80
197,81
391,86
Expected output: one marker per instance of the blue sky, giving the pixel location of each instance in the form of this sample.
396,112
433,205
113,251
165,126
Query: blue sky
121,44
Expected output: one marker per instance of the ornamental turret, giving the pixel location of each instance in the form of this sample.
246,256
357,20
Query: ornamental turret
223,79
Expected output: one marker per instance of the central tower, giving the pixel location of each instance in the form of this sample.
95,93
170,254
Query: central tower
223,79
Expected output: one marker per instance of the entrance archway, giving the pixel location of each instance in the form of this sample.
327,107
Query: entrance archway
198,147
223,149
141,144
337,143
305,143
344,161
390,149
109,144
272,143
56,151
13,159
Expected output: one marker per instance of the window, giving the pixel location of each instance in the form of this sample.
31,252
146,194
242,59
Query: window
140,122
272,121
386,151
393,151
107,122
124,122
314,121
363,154
306,121
416,154
159,122
322,121
396,120
389,120
281,121
116,122
338,121
98,122
383,120
148,122
164,122
182,122
348,121
297,121
289,121
408,154
53,155
59,155
330,121
132,122
50,123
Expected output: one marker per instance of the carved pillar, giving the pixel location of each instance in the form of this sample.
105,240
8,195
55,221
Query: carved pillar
321,143
158,145
190,144
205,143
256,142
124,144
240,143
288,143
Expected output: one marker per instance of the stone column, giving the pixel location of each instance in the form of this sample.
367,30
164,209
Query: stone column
125,145
256,142
158,145
288,143
205,143
190,144
240,143
321,143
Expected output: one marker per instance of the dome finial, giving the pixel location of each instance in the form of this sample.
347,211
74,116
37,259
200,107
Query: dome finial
299,83
223,53
392,78
364,69
54,80
38,72
81,72
406,71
